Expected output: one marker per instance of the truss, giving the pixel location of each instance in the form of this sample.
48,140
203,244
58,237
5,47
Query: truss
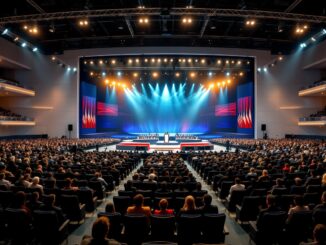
204,12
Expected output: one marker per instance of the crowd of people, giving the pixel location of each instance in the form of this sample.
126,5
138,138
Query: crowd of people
152,136
182,136
11,116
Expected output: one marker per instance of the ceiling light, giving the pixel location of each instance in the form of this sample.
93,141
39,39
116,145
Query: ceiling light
24,44
259,69
228,74
250,23
303,45
5,31
35,49
83,23
155,74
177,74
75,69
265,69
113,62
53,58
280,58
192,74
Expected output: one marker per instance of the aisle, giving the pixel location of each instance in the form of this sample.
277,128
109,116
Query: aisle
237,236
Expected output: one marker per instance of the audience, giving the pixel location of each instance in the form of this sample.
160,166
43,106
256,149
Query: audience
163,205
189,206
139,207
208,207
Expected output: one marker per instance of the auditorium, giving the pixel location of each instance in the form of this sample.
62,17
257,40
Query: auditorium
168,122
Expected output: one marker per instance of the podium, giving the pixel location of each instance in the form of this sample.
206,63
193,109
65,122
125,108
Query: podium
166,137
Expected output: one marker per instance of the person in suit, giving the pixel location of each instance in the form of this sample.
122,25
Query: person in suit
208,207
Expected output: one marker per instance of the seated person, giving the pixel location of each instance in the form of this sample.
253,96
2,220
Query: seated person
34,202
264,176
151,178
36,186
139,207
319,235
271,207
251,174
208,207
100,230
279,184
189,206
69,185
236,187
49,205
299,206
163,204
297,183
163,188
320,208
129,186
109,208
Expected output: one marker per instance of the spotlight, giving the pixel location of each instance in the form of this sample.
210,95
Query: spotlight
303,45
280,58
24,44
103,74
250,23
211,85
35,49
119,73
171,60
83,23
177,74
54,58
135,74
16,39
265,69
218,84
219,62
227,62
183,60
210,74
259,69
106,81
75,69
113,62
159,60
91,73
323,31
192,74
155,74
189,60
228,74
5,31
146,60
203,61
137,60
153,60
239,62
186,20
143,20
130,61
101,62
313,39
229,81
91,62
68,68
241,74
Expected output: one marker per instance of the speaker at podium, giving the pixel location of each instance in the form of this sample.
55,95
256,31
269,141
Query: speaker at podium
166,137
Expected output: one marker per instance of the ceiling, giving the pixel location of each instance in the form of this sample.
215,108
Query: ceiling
115,23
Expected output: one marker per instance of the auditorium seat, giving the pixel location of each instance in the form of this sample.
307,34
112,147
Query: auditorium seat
162,228
136,228
249,209
121,203
223,192
97,187
213,228
6,198
235,199
116,226
86,197
72,208
189,228
47,228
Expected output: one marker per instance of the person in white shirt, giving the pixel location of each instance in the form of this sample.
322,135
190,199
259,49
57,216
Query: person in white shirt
237,186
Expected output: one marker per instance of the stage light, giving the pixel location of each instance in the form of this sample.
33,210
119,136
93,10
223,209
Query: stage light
124,85
227,62
119,73
100,62
232,61
16,39
143,20
106,81
203,61
113,62
83,23
211,85
179,60
35,49
239,62
155,74
250,23
177,74
91,62
280,58
218,84
135,74
153,60
210,73
69,68
192,74
186,20
75,69
159,60
130,61
189,60
91,73
265,69
183,60
165,60
303,45
103,74
313,39
219,62
227,74
25,27
323,31
54,58
259,69
146,60
241,74
229,81
171,60
223,83
23,44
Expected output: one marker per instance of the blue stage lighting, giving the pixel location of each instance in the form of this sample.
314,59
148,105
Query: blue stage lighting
35,49
5,31
24,44
323,31
69,68
303,45
313,39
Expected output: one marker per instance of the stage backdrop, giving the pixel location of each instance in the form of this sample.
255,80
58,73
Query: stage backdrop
165,104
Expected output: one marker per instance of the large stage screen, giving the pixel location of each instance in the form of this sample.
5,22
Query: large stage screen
200,95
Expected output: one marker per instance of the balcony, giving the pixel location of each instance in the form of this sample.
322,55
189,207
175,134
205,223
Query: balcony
312,121
8,88
317,89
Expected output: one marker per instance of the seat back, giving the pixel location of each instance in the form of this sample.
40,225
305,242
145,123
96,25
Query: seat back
213,228
189,228
236,199
249,209
115,224
121,203
162,228
136,228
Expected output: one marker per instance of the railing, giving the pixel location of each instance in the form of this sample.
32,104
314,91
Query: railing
307,119
15,118
13,83
315,84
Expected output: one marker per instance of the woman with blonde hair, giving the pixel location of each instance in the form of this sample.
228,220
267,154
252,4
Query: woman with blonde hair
189,206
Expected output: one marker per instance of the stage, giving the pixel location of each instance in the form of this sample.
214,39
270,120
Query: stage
132,145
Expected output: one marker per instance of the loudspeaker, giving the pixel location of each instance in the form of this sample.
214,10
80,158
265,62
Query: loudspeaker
263,127
70,127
